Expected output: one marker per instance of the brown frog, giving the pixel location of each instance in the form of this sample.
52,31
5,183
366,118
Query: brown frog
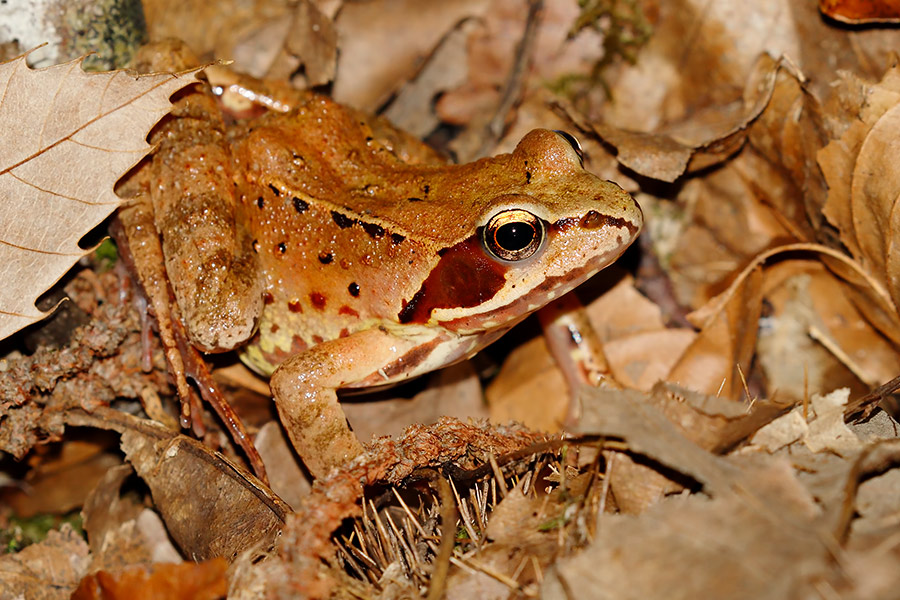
332,257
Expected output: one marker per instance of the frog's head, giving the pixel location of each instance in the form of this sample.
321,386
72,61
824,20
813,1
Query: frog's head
545,226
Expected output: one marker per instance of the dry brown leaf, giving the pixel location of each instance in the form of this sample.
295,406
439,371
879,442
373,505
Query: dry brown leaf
864,183
815,338
782,167
67,137
313,42
49,570
210,506
700,52
705,138
374,61
184,581
714,361
286,477
413,109
639,349
57,486
741,547
529,389
121,530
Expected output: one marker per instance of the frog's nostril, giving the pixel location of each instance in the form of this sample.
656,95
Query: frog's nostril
594,220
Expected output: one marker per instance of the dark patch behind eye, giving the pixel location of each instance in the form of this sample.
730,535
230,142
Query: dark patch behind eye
464,277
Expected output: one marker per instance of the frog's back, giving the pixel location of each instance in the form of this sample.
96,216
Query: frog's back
330,265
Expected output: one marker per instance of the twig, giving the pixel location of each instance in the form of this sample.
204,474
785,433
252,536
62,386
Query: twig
866,403
513,89
448,537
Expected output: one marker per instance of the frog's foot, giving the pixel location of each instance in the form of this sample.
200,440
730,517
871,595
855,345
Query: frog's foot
577,350
305,389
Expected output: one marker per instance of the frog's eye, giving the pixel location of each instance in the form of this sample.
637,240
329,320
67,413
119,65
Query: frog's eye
573,141
513,234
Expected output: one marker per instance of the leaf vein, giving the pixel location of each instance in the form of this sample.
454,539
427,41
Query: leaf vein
37,251
53,193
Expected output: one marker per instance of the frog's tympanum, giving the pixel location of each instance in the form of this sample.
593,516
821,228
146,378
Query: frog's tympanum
333,260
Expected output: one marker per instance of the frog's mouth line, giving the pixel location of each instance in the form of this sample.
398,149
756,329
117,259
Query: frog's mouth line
542,294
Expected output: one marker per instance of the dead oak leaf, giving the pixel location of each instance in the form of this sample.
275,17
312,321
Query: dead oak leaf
66,136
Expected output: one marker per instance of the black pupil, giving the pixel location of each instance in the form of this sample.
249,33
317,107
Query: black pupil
514,236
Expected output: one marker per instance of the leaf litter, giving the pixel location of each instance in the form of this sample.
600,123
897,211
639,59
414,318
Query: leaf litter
758,139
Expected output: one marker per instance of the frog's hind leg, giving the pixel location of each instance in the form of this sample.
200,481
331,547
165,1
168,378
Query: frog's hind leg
577,350
139,247
305,389
210,266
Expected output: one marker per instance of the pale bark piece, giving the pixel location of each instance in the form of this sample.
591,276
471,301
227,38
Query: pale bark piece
67,136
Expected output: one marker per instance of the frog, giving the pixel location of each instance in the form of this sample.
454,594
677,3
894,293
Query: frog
333,257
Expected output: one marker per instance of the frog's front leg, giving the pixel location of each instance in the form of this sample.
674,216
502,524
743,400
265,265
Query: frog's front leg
305,389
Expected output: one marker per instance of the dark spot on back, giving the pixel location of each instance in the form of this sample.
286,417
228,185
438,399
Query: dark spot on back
527,176
326,257
282,247
426,189
255,245
318,300
413,199
275,190
342,220
353,288
374,231
299,205
259,202
396,238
